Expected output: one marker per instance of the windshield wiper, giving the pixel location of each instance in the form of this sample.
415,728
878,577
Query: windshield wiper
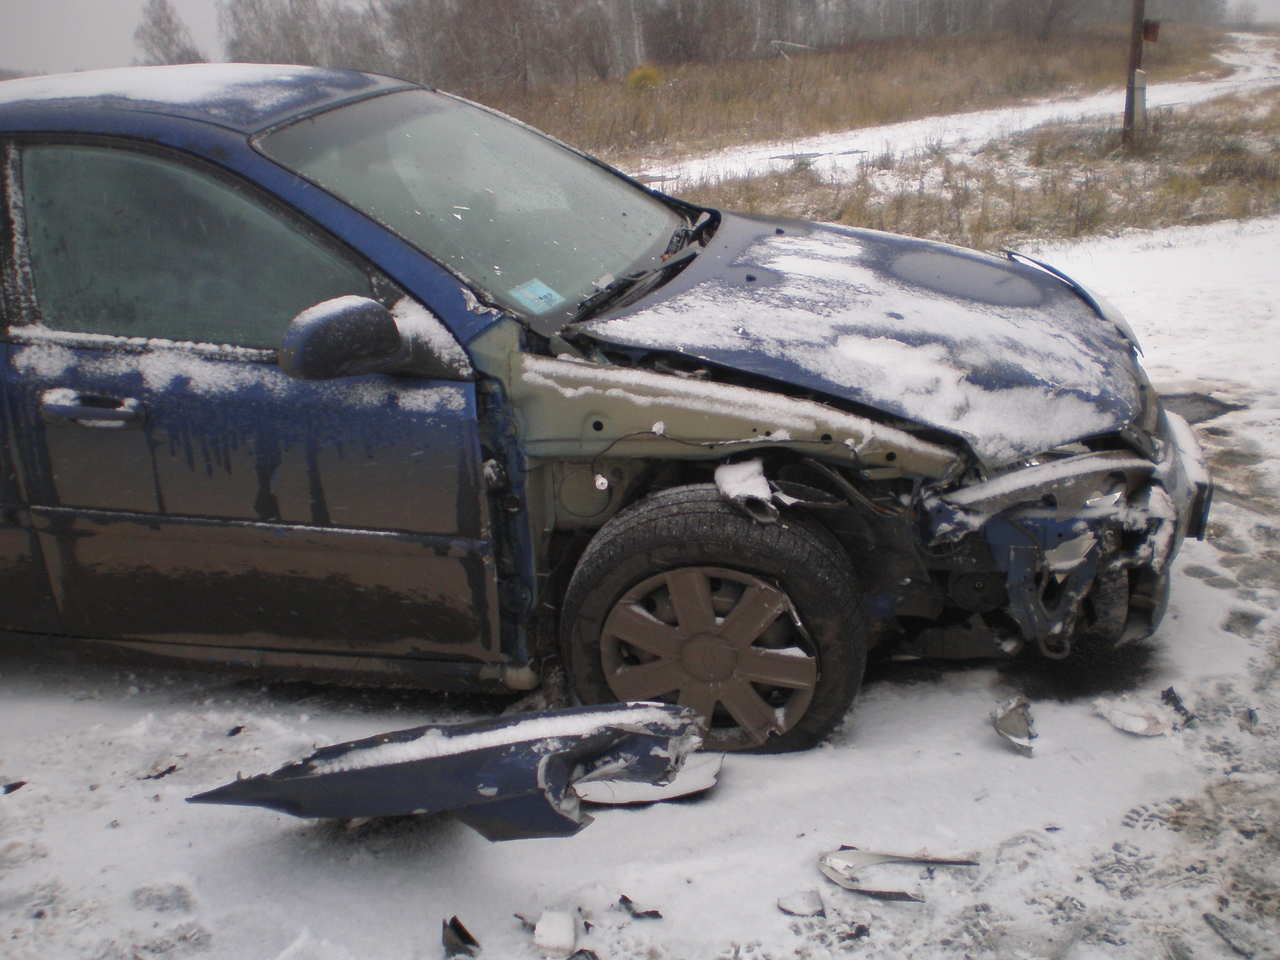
632,285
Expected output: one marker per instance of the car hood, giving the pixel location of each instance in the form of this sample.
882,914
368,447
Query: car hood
1006,356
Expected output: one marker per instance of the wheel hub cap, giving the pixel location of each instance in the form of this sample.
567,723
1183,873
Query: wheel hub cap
709,658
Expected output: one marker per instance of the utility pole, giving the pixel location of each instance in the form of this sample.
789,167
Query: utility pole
1135,64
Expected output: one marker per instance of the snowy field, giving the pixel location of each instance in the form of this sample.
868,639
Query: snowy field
1255,62
1102,844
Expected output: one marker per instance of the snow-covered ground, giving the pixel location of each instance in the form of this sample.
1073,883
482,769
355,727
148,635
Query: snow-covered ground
1102,844
1255,62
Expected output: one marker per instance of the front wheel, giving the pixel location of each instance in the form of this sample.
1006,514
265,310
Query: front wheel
758,627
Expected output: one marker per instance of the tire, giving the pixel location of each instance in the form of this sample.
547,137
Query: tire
682,598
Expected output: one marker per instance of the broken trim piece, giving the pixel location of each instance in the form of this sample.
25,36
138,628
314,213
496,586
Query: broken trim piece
1012,720
698,775
842,866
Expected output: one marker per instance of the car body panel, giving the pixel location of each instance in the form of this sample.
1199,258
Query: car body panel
22,568
348,516
130,511
1003,355
510,779
571,409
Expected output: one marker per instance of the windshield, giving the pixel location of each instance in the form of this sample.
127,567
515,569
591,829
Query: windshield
532,224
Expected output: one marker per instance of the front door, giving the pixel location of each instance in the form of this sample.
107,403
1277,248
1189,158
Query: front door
185,490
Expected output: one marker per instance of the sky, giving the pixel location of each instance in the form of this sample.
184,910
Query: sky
51,36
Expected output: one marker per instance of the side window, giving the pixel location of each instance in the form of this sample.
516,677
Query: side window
133,245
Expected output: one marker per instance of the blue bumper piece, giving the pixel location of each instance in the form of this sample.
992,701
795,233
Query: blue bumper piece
509,778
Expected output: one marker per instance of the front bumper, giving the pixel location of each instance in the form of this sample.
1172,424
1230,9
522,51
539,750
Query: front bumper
1100,526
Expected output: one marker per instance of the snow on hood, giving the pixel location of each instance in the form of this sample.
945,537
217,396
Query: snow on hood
1001,354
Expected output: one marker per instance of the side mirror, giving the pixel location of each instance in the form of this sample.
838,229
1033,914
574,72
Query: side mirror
342,337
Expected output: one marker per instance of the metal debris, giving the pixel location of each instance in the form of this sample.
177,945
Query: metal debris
556,933
1012,720
804,903
508,778
699,774
627,904
1140,719
842,866
457,939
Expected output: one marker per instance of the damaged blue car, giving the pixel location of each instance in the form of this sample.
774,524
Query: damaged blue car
325,372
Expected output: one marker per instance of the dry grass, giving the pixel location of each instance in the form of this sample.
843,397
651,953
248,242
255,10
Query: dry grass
1220,160
702,107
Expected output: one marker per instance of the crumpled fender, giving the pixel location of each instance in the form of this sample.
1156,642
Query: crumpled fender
508,778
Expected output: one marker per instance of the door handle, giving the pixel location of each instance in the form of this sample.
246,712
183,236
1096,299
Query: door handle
90,410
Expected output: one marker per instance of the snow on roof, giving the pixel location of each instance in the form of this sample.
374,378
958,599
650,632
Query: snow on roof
243,94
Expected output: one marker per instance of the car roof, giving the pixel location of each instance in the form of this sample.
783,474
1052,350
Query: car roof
242,96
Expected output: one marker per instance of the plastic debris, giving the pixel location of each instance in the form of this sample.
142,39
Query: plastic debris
1170,698
804,903
10,787
508,778
1140,719
1012,720
698,775
457,939
843,866
627,904
555,933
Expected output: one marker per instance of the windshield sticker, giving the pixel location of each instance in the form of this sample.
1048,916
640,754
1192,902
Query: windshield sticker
537,296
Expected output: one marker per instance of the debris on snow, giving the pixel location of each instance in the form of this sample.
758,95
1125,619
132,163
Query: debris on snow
1248,720
457,939
627,904
1012,720
161,774
842,867
10,787
1170,698
1143,720
699,774
555,934
804,903
1230,937
508,778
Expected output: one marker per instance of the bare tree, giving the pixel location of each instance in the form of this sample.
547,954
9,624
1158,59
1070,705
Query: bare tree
163,37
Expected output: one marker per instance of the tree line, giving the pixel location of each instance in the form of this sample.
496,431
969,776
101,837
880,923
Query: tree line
484,44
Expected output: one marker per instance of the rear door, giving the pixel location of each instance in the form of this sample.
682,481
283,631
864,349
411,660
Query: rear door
181,487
